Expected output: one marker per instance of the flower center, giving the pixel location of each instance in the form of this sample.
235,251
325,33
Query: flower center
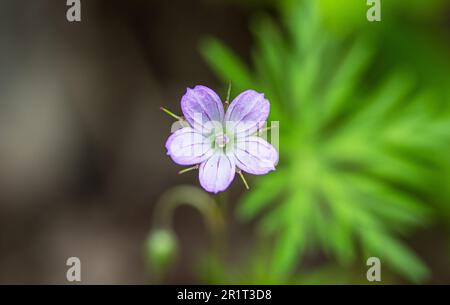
222,140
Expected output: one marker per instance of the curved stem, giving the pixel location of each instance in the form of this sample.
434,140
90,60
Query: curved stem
199,200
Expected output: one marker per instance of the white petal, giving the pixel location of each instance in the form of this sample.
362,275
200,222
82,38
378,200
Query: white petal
217,173
188,147
255,155
248,112
202,108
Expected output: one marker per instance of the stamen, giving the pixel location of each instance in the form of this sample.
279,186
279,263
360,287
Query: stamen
222,140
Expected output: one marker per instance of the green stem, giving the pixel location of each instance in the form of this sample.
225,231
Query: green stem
212,212
221,245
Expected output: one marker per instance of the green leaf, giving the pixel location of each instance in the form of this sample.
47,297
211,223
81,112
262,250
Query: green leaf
394,253
265,191
293,239
226,64
364,153
346,78
386,201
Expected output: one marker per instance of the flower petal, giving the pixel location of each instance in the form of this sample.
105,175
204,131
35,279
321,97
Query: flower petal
255,155
188,147
200,106
217,172
248,112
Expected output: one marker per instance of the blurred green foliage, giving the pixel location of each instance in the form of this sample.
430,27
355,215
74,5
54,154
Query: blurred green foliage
364,138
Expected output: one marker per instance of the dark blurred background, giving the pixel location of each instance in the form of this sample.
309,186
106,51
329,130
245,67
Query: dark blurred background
82,157
82,153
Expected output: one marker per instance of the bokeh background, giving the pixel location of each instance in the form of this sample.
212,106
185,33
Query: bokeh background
364,112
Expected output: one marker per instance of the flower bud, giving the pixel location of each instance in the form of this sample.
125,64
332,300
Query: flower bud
161,251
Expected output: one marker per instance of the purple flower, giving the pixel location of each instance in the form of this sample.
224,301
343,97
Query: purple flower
222,143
